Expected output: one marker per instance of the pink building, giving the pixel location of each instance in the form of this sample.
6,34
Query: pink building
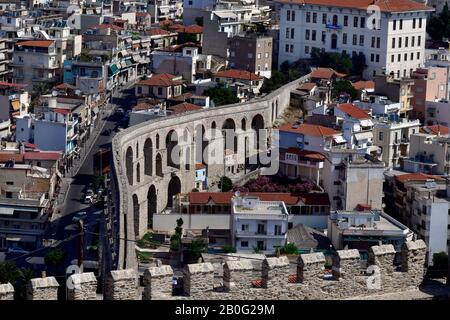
430,84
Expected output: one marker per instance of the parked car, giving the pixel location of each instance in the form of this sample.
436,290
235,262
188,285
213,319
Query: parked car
88,196
79,216
18,250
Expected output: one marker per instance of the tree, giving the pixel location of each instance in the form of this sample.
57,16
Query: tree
344,86
196,248
440,261
358,64
289,248
8,272
438,27
55,257
339,62
225,184
221,95
229,249
175,239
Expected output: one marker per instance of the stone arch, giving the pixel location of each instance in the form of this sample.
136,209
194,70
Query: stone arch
173,188
213,129
228,125
201,143
171,144
136,215
152,204
138,172
244,124
157,141
187,163
129,164
137,150
257,125
148,157
158,161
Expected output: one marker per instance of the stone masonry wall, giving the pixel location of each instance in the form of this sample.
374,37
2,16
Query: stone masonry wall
348,279
84,287
6,291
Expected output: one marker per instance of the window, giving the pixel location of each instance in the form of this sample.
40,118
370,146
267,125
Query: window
292,33
190,2
372,57
361,40
373,42
399,58
355,22
244,244
406,42
393,43
362,22
378,42
307,34
324,36
259,55
419,40
288,15
420,23
414,23
277,230
10,183
314,17
160,91
394,25
406,57
412,55
324,18
313,35
374,73
345,21
413,40
401,24
287,33
287,48
291,48
400,42
344,38
308,17
377,58
418,55
392,58
355,39
293,15
250,55
307,49
244,227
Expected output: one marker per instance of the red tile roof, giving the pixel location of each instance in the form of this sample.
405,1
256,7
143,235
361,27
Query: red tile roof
361,85
161,80
313,155
61,111
384,5
238,74
156,32
224,198
326,73
416,177
12,85
353,111
184,107
30,145
17,157
65,86
106,26
194,28
437,129
42,155
199,166
36,43
308,86
309,130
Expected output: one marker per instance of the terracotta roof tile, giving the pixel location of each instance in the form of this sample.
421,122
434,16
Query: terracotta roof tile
36,43
437,129
42,155
308,86
326,73
384,5
156,32
310,130
416,177
313,155
184,107
238,74
353,111
17,157
161,80
361,85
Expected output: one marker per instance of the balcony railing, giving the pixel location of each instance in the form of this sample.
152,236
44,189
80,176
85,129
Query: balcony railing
333,26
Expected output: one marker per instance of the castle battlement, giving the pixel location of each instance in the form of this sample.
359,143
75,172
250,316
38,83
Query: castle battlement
276,280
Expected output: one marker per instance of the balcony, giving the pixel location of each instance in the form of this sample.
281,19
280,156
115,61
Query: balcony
256,234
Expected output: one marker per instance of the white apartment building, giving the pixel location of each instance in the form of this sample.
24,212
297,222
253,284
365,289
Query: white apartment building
394,43
392,137
258,224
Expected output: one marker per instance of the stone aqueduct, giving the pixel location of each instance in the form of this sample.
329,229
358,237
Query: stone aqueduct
144,177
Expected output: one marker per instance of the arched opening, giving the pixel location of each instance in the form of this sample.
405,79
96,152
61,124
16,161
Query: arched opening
136,215
137,150
213,129
257,126
138,173
129,164
244,124
230,135
335,20
334,40
157,141
200,144
173,188
151,205
187,163
148,157
158,160
173,159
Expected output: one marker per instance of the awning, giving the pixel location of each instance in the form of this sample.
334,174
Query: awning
20,238
339,139
7,210
136,58
15,105
225,15
128,62
114,68
363,135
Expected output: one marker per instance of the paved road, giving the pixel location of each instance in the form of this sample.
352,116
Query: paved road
62,227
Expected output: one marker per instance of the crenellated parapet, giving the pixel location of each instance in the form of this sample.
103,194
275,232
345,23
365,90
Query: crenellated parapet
388,272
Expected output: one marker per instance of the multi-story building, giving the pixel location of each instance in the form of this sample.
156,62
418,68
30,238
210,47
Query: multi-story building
397,90
422,203
258,225
160,86
428,153
4,60
296,163
35,61
437,113
353,180
245,84
392,136
439,58
252,52
26,193
14,101
395,43
430,84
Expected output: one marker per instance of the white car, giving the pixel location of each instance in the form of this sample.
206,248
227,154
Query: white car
88,196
